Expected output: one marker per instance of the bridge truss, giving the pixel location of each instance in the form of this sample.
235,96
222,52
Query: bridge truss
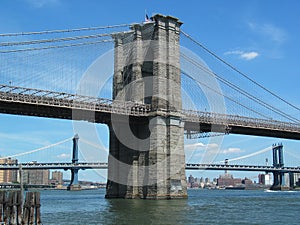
35,102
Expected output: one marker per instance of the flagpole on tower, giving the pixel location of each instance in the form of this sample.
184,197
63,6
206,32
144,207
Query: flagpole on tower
146,16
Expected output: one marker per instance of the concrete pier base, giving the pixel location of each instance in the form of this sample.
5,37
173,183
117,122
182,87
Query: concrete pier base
75,187
280,188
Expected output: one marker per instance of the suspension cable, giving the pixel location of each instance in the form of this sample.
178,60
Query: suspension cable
64,31
238,71
221,94
250,155
291,154
94,145
56,46
243,92
52,40
58,39
38,149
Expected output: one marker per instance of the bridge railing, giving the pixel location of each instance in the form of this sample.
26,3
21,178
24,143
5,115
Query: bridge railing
73,101
229,120
104,165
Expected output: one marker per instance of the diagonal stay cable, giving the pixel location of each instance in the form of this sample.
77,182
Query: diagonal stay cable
238,71
221,94
236,88
94,145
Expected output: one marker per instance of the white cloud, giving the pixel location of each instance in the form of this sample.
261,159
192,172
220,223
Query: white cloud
243,55
42,3
200,146
232,150
193,146
249,55
200,152
64,156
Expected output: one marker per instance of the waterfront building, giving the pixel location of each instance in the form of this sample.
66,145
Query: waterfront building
8,176
37,176
57,177
191,179
247,181
228,180
264,179
207,180
297,179
195,182
201,180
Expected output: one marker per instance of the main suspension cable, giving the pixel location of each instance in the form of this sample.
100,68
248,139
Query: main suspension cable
56,46
237,70
236,88
64,31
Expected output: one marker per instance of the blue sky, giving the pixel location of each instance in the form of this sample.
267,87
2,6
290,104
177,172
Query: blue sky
261,38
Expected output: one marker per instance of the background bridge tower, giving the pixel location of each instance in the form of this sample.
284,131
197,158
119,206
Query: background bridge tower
74,184
149,162
279,180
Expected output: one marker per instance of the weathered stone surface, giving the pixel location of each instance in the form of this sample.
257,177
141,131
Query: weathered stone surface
149,162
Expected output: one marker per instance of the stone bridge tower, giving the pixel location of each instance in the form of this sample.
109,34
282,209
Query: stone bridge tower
147,157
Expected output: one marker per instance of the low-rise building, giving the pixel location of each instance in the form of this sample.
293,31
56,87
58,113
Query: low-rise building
227,179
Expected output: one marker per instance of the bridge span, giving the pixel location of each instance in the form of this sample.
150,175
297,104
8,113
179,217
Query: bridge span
155,102
189,166
50,104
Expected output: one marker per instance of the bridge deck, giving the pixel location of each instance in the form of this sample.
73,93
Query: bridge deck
99,165
34,102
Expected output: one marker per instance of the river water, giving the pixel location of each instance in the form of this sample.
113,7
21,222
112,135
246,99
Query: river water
202,207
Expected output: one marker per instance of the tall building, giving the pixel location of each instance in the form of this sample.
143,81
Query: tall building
191,179
8,176
297,179
36,176
207,180
57,176
264,179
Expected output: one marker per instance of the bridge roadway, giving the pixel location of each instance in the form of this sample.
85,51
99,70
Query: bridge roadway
99,165
42,103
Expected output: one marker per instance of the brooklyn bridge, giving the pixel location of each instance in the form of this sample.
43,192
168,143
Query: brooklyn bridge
161,93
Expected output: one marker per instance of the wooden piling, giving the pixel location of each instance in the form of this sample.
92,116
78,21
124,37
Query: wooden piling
37,209
1,205
11,208
6,208
31,202
19,207
26,211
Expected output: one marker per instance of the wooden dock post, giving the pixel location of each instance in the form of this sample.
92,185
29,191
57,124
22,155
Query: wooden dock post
37,204
1,205
11,208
